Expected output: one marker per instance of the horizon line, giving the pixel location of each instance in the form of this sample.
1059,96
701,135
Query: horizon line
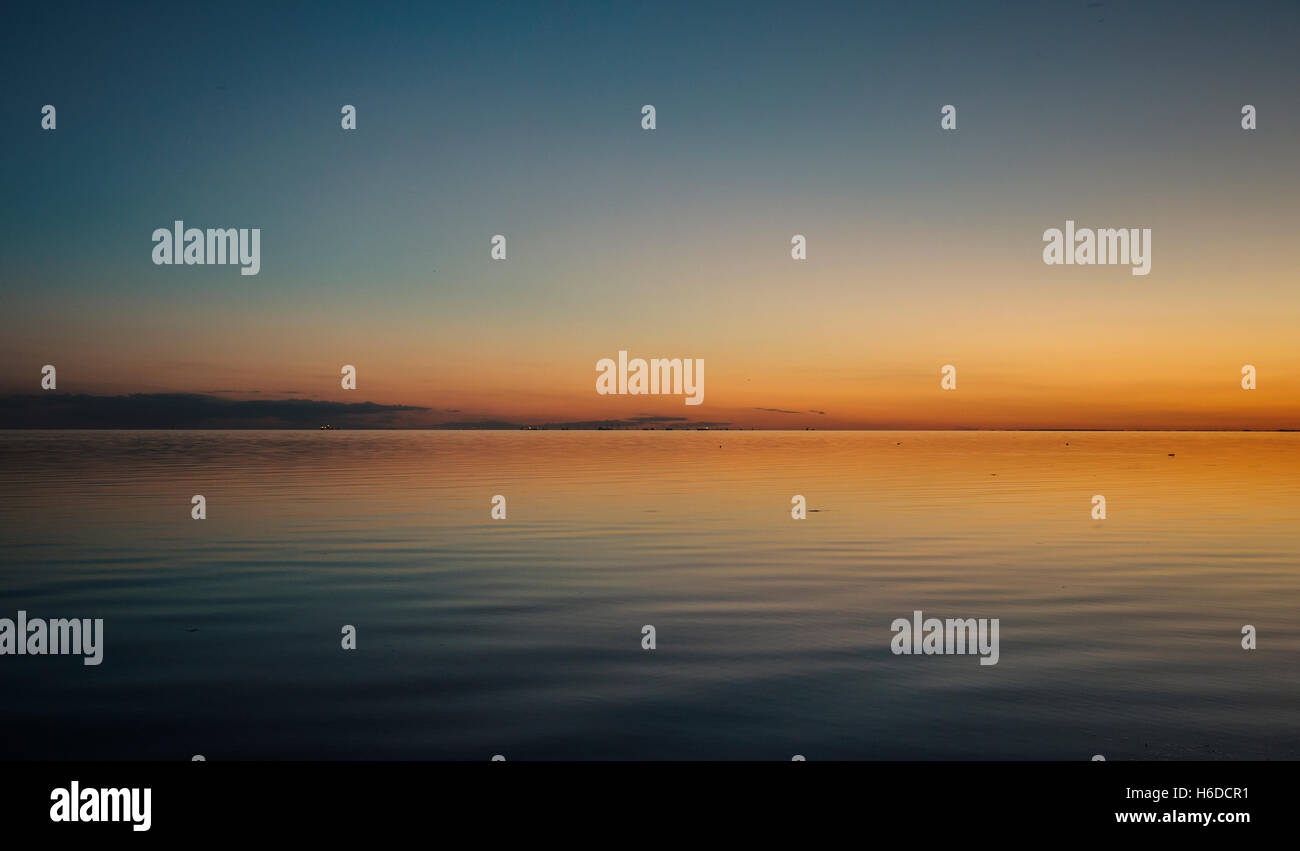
644,428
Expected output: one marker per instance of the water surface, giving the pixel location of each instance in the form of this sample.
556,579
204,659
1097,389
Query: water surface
523,636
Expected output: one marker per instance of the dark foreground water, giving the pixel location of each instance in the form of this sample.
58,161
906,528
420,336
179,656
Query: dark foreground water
522,636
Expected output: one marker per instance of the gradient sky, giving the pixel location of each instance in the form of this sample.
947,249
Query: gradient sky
524,119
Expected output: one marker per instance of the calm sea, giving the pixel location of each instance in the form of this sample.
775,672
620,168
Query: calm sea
522,636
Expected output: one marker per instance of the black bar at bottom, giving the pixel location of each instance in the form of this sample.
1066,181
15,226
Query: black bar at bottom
614,802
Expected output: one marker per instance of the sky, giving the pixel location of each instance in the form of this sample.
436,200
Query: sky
821,119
